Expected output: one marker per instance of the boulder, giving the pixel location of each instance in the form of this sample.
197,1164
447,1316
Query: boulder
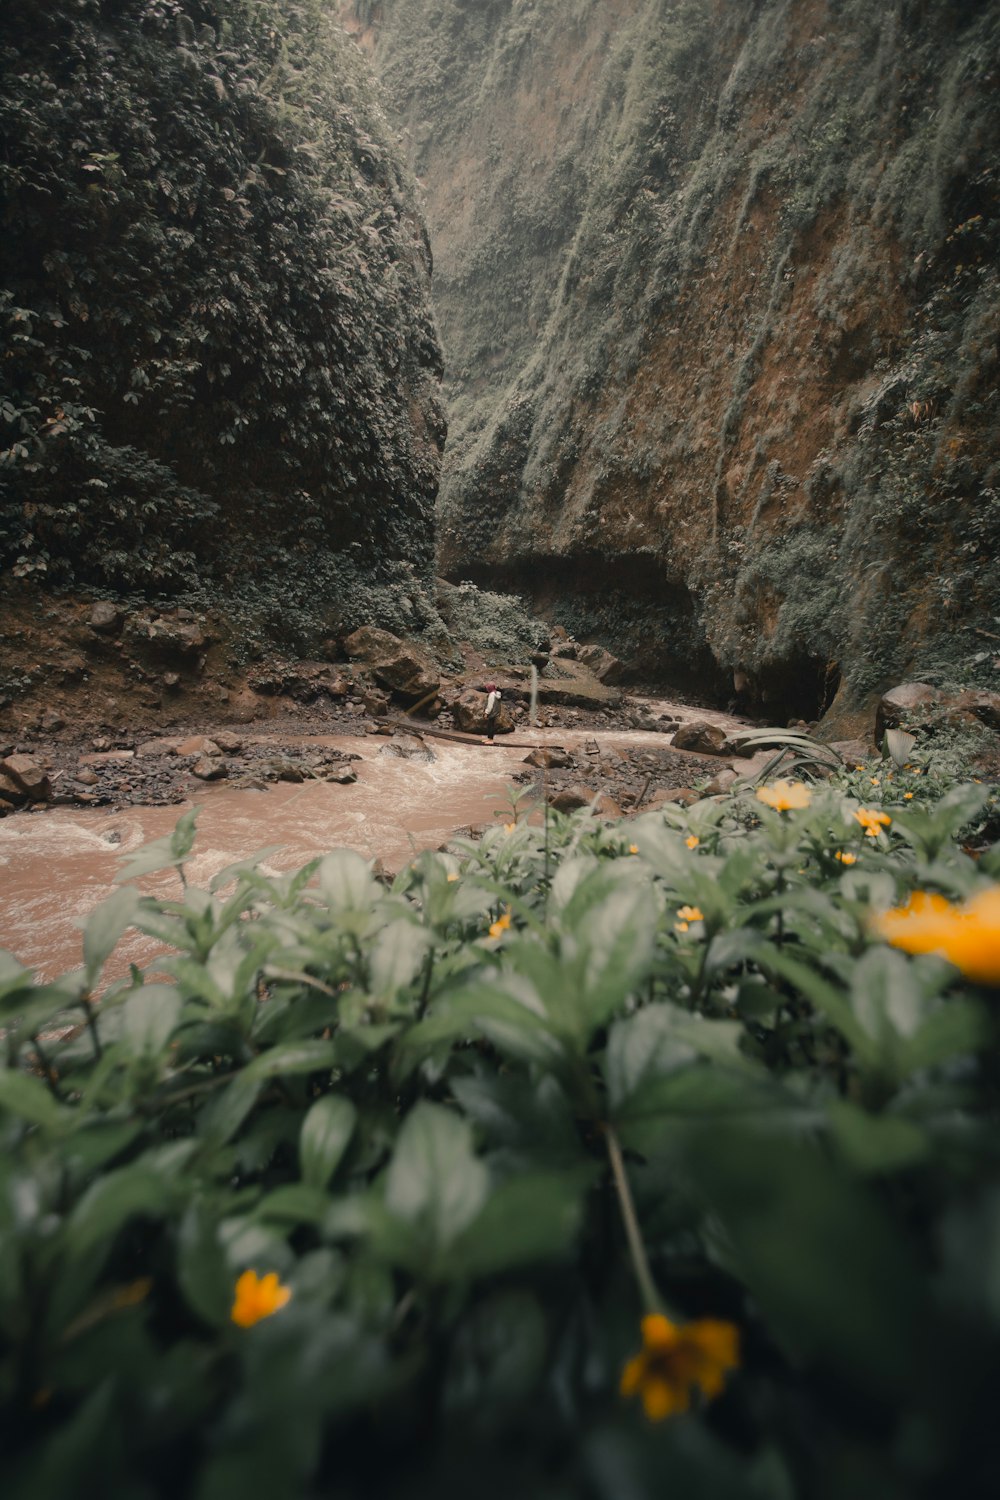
209,770
27,774
908,704
404,667
551,756
468,714
700,737
720,782
105,617
682,795
342,775
157,747
408,747
573,685
371,644
200,745
605,667
175,637
851,752
229,743
572,797
984,704
11,791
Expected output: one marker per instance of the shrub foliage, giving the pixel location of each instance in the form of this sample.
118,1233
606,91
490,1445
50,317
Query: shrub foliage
335,1203
218,357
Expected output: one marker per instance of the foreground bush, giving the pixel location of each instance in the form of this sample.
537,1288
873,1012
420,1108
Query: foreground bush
351,1204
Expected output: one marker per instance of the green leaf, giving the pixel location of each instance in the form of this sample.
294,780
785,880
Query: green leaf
104,927
161,853
435,1182
396,957
532,1218
112,1200
292,1057
643,1047
296,1203
325,1136
898,745
225,1112
202,1267
149,1016
347,882
29,1099
873,1144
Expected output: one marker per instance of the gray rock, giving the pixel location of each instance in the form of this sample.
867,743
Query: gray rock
701,737
605,667
105,617
176,636
11,791
210,770
198,744
468,714
720,782
909,704
984,704
408,747
552,756
342,775
28,775
572,797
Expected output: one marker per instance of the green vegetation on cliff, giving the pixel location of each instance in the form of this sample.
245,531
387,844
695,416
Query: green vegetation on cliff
219,367
718,285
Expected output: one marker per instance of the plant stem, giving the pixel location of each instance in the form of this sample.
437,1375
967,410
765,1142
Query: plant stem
88,1010
637,1250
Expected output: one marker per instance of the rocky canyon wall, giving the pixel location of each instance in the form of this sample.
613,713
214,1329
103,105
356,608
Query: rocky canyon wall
219,373
718,287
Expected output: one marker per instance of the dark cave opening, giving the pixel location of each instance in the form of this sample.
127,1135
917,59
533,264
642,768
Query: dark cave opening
630,605
635,609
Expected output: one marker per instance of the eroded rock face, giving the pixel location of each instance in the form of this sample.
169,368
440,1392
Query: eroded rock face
402,666
701,434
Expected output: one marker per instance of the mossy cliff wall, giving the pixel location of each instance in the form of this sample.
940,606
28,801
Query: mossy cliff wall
219,374
718,288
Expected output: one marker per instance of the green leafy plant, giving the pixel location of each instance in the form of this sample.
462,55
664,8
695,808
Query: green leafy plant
352,1191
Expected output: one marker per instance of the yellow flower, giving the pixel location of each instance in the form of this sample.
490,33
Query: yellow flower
681,926
509,827
907,796
872,822
258,1297
846,859
968,936
692,841
874,780
500,925
691,914
676,1358
633,848
784,795
451,878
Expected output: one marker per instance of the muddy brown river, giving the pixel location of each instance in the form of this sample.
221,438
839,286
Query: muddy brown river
56,866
